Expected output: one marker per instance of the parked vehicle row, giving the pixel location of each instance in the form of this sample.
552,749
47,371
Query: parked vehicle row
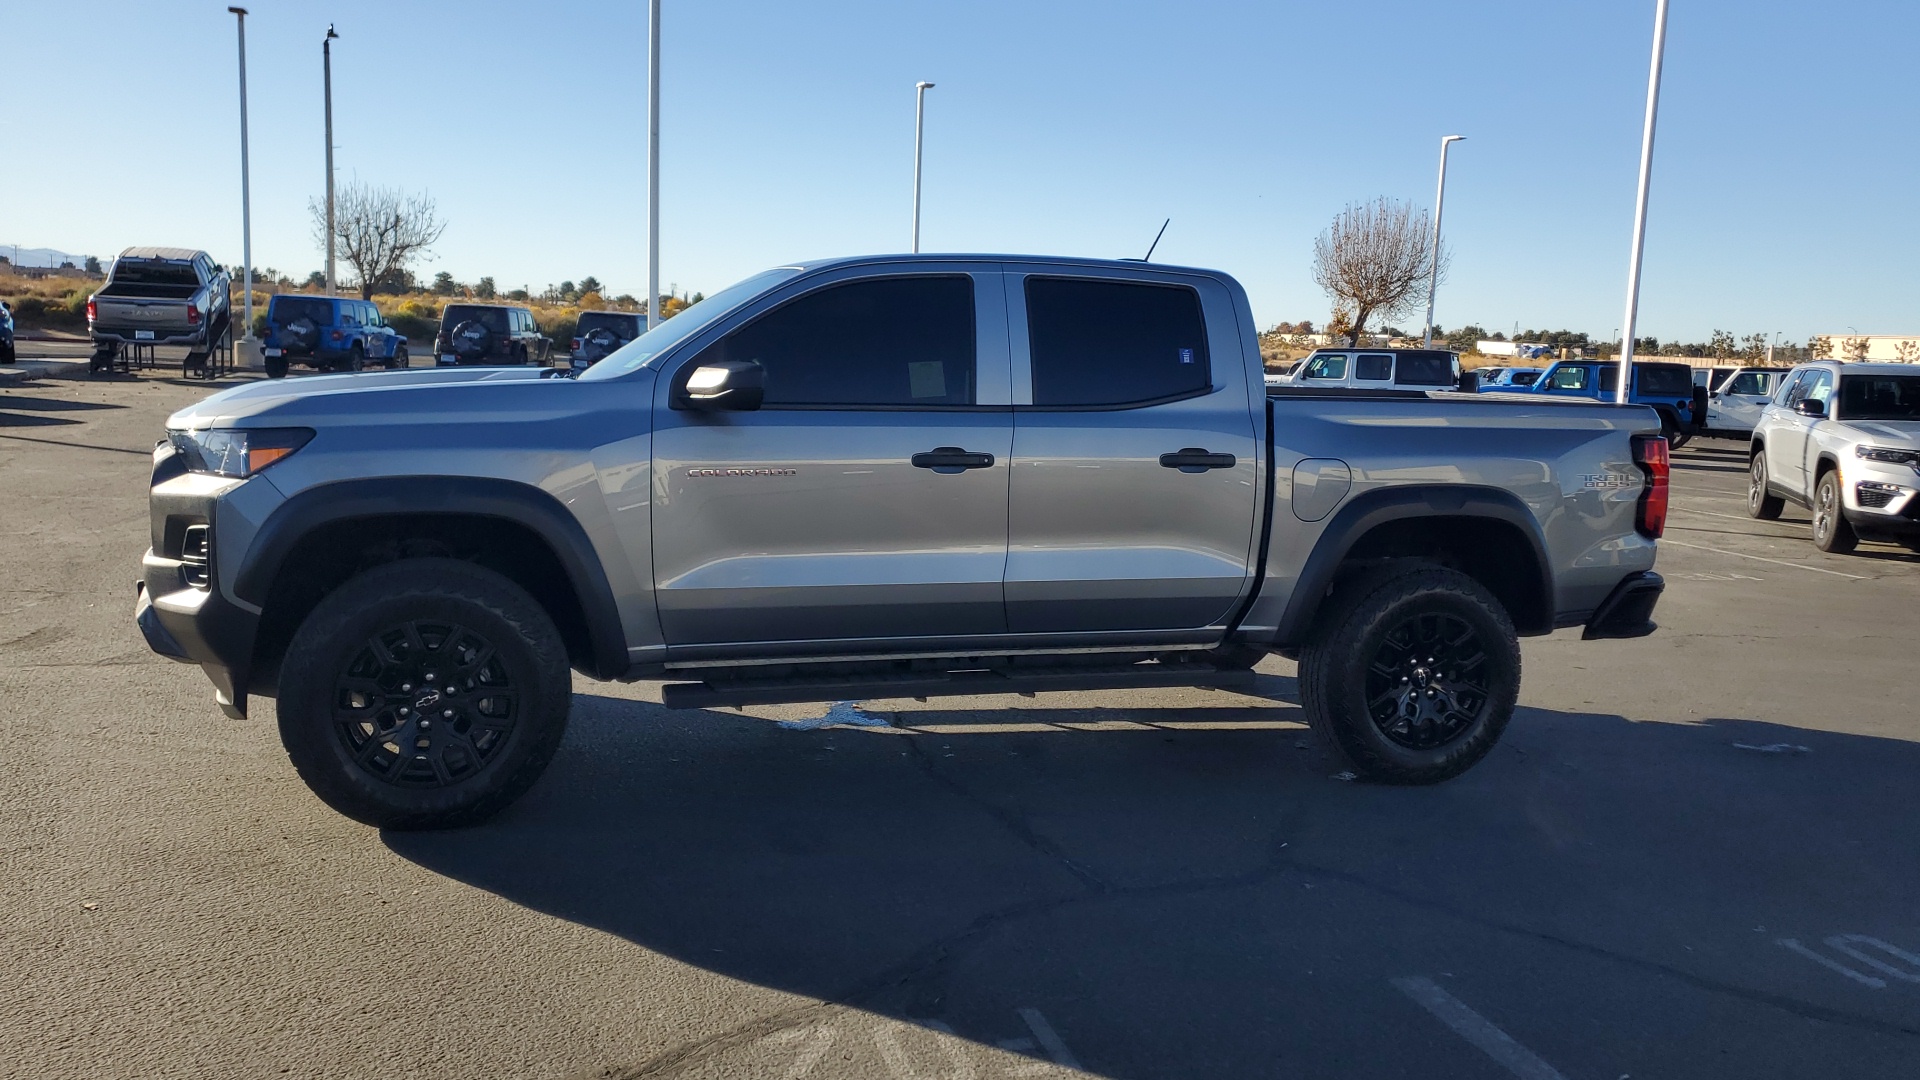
890,476
1842,440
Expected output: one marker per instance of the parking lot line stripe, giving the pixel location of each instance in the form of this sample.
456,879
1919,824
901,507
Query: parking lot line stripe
1762,558
1050,1039
1476,1029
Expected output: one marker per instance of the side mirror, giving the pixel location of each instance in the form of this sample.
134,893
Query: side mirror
1810,407
739,385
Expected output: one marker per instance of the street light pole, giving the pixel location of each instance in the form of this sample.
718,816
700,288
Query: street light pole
919,126
1640,201
1439,203
327,70
653,164
246,195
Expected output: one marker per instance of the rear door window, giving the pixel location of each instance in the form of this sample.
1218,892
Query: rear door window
1114,342
1666,381
894,342
1425,369
1373,367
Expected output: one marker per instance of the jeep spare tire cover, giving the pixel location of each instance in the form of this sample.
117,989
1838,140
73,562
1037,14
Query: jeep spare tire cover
301,333
598,342
471,338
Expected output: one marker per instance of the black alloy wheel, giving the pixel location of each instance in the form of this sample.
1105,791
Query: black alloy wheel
425,704
1428,682
424,694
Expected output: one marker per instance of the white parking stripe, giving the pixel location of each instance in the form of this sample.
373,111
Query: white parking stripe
1833,965
1049,1039
1762,558
1476,1029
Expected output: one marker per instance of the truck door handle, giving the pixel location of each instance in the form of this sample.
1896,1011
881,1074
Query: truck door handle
1195,459
951,459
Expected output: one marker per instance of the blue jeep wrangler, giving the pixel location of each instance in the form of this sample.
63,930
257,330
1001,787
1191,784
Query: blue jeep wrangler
328,333
1665,386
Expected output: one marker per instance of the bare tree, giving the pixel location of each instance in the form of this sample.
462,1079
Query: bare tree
1374,261
1854,348
379,231
1907,351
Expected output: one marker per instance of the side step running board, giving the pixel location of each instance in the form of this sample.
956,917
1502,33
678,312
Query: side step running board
922,684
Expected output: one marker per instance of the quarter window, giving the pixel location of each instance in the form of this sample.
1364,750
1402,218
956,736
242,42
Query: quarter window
901,342
1114,342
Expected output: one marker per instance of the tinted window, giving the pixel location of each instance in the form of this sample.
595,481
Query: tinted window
1749,383
1327,366
898,341
1114,343
493,318
154,272
285,309
1666,380
1426,368
627,326
1879,397
1523,378
1373,366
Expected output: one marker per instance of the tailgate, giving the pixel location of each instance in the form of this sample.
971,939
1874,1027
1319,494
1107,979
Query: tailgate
160,316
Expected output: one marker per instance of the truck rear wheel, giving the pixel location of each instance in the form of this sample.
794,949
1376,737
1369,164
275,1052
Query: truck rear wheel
424,694
1412,674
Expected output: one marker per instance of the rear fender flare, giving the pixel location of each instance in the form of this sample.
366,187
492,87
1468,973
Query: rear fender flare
1375,508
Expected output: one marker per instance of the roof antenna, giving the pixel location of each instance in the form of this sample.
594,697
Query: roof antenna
1148,257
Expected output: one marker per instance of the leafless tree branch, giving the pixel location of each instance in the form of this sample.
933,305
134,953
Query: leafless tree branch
1374,262
377,230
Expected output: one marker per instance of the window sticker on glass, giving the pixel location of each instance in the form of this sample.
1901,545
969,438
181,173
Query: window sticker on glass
927,379
1186,356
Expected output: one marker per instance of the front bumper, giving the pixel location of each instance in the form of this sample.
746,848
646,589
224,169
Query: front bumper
196,626
1627,612
1881,497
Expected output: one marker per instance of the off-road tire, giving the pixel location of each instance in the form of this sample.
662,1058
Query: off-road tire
1761,504
356,359
1348,640
1832,532
333,643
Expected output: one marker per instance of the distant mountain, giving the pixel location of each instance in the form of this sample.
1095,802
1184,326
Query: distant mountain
26,256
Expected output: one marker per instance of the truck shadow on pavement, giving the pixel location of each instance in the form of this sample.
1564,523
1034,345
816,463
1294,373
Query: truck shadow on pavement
25,410
1194,891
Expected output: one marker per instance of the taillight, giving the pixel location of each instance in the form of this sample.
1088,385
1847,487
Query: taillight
93,311
338,334
1650,453
193,315
577,343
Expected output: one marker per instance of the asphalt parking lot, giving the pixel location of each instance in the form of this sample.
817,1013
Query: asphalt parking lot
1691,856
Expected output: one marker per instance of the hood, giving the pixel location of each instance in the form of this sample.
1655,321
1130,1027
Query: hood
1898,434
346,392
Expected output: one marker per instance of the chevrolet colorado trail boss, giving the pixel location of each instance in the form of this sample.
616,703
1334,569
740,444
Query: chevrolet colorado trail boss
894,476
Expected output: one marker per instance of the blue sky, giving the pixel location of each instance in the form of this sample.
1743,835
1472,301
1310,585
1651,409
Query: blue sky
1783,192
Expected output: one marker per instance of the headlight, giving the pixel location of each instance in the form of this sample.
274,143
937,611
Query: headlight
237,452
1889,455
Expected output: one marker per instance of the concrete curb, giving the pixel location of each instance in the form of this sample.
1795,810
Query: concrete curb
26,370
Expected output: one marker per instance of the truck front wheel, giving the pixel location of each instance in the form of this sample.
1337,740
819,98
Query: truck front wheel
1412,674
424,694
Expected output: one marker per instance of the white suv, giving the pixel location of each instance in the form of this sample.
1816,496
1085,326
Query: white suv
1842,440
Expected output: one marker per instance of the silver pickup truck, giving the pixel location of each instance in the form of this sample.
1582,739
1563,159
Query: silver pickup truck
161,296
883,477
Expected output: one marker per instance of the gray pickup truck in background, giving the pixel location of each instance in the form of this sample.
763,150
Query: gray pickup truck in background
161,296
882,477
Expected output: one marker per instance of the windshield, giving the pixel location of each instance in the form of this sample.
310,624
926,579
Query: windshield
635,354
285,309
493,318
627,326
1879,397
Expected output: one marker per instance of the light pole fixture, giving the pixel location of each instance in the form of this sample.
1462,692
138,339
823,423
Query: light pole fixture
919,126
326,68
246,195
653,164
1439,203
1640,201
